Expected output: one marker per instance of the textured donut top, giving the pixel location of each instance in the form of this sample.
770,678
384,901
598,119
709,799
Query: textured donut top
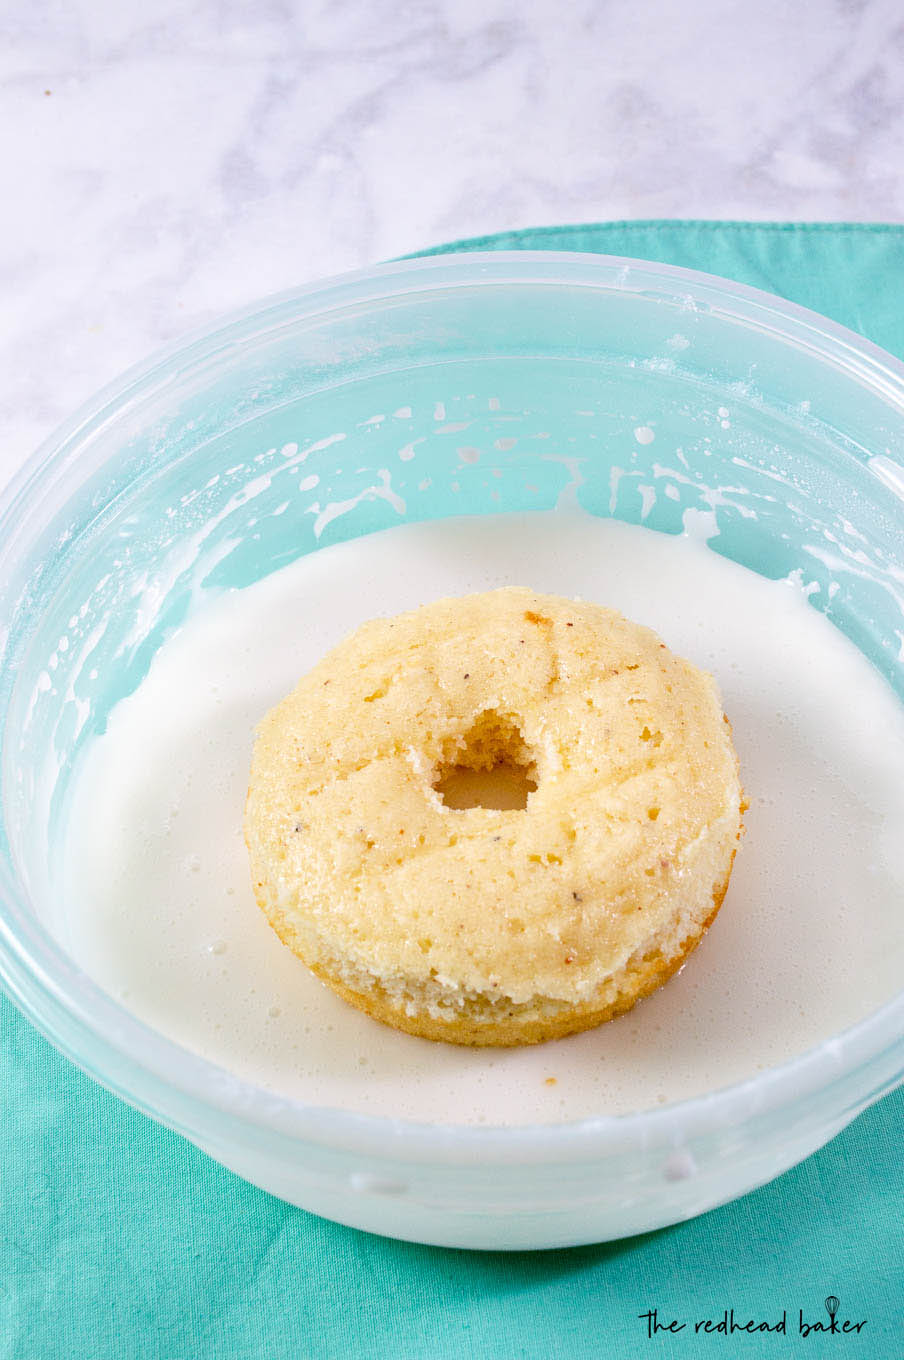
358,860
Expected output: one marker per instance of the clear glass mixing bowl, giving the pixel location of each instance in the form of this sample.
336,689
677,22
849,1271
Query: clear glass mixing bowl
186,477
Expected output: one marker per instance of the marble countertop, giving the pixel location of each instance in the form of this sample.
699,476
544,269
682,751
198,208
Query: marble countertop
165,165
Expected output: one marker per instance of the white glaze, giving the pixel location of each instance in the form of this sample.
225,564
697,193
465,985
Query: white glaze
811,936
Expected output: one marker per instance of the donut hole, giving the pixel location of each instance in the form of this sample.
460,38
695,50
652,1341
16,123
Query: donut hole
488,766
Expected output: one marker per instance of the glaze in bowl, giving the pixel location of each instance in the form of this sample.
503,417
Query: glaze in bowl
344,408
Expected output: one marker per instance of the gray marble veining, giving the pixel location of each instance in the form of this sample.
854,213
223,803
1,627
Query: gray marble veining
164,164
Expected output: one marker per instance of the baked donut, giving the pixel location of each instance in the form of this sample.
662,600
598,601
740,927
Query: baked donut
495,925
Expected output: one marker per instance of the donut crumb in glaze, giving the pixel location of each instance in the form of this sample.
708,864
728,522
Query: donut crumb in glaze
495,926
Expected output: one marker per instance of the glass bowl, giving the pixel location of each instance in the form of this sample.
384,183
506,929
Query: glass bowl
184,479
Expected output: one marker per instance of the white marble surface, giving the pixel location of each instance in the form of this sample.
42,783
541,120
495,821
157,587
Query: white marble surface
164,163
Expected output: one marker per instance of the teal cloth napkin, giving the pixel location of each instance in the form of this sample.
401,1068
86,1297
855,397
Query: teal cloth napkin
120,1239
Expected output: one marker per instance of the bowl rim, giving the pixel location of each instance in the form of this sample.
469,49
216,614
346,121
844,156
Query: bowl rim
178,1086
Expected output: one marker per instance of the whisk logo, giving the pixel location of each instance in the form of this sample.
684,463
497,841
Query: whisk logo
732,1322
835,1325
